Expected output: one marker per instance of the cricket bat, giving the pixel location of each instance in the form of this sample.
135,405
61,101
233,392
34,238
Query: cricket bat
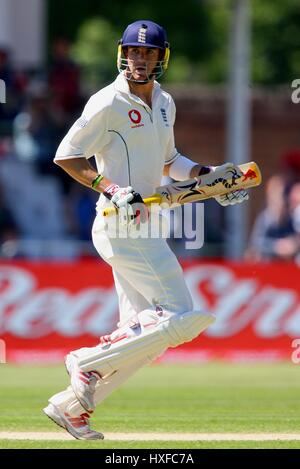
202,187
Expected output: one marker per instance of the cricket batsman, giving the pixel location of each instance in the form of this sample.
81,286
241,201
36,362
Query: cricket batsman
128,127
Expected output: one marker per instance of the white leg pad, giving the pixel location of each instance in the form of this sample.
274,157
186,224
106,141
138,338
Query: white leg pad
68,402
150,334
65,400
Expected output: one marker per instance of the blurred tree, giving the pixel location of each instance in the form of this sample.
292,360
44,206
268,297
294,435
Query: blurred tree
95,26
214,69
275,48
188,25
197,30
276,41
96,51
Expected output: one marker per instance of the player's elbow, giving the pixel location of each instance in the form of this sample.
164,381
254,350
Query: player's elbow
58,162
166,170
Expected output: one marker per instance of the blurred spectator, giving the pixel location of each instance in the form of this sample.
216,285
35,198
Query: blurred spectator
9,234
44,130
273,234
15,83
8,227
290,246
80,208
35,202
37,134
64,79
290,164
5,147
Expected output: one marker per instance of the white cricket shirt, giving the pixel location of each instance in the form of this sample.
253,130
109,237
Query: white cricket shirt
131,142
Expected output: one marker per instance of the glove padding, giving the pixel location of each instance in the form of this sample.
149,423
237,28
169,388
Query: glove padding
226,171
229,171
232,198
119,196
131,207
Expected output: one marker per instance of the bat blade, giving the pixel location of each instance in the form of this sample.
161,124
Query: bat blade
202,188
207,186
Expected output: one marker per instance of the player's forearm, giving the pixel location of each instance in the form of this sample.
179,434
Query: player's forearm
183,168
199,170
83,172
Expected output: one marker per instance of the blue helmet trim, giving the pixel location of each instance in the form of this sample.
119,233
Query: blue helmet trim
144,33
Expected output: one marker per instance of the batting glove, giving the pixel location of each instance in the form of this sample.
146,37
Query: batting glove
229,171
132,208
119,196
232,198
226,171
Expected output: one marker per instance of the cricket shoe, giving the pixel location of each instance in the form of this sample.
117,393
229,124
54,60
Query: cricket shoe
77,426
83,383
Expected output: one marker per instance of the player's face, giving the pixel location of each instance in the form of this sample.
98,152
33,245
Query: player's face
142,61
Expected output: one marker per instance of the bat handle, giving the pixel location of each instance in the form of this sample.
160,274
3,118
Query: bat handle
153,199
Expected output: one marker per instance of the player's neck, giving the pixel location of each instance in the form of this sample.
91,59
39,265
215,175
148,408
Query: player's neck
143,91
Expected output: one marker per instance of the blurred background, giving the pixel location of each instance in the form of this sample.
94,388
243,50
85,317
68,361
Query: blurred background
232,74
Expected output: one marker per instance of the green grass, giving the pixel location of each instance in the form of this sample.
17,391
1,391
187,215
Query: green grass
181,445
213,398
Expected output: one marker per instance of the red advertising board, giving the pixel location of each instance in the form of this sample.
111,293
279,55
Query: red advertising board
48,309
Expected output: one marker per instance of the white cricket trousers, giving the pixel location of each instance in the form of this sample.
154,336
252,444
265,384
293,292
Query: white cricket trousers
147,274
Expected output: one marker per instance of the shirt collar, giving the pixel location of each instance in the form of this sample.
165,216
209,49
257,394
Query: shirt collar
121,84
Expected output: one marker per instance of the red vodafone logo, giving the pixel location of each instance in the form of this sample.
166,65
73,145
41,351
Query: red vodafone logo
135,116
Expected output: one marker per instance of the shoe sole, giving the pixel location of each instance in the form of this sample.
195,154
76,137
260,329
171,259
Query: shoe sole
83,403
61,425
66,427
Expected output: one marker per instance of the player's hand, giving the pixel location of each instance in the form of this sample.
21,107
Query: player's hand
230,172
136,210
226,171
232,198
130,204
119,196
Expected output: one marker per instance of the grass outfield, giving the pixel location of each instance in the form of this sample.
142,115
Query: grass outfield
206,398
29,444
